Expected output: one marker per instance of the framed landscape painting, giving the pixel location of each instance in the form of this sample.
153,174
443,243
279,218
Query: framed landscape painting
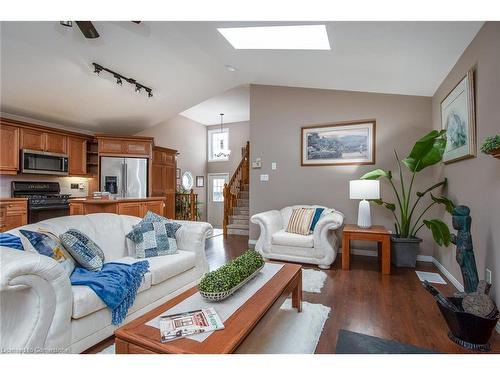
458,118
345,143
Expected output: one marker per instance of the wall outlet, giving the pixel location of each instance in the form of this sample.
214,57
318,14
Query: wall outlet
274,165
264,177
75,186
257,163
81,186
488,276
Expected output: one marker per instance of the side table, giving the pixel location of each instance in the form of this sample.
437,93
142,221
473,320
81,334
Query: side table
374,233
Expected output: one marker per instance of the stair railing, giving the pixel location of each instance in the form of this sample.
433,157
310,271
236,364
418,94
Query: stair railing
186,206
232,189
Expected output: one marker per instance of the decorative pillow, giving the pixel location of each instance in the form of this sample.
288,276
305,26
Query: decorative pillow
48,244
317,214
85,251
300,221
154,238
151,217
9,240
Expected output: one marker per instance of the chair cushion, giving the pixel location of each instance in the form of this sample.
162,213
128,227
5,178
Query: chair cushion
86,302
300,221
284,238
164,267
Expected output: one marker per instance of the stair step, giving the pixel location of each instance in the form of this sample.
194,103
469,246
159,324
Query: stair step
238,226
245,187
238,232
244,194
239,217
241,211
242,202
240,221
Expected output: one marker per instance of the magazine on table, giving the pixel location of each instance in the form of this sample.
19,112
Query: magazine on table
176,326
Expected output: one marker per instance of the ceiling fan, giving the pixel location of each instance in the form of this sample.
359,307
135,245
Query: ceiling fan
86,27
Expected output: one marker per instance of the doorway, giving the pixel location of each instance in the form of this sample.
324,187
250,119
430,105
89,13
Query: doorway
215,206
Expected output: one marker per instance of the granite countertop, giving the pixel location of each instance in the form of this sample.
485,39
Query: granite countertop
12,199
117,200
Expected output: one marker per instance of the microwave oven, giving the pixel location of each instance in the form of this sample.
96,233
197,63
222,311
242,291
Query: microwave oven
41,162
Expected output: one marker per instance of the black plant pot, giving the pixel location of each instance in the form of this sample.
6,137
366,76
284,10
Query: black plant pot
467,330
404,251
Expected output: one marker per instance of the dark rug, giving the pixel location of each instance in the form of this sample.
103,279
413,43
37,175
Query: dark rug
349,342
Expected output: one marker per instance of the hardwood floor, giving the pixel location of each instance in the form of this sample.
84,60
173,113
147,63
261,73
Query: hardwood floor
392,306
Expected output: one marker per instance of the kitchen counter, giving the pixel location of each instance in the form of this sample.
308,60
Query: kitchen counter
121,206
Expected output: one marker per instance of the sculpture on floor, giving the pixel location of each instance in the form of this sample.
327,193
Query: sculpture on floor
465,253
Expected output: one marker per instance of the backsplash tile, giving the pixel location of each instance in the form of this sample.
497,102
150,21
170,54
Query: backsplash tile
65,183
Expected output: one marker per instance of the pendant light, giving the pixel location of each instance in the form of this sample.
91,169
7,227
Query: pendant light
224,151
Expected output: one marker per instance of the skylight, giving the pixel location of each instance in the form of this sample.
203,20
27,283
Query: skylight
306,37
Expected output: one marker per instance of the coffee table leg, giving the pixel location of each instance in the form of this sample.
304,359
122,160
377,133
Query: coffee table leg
297,294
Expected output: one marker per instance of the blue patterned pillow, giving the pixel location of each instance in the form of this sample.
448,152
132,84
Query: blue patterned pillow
152,217
49,245
85,251
9,240
154,238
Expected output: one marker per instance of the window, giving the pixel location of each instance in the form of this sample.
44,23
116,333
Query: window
218,142
218,189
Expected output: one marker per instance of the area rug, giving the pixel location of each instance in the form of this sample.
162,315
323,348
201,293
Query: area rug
288,332
349,342
313,280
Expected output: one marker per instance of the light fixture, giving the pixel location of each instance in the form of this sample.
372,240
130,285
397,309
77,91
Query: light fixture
364,189
120,78
223,153
298,37
66,23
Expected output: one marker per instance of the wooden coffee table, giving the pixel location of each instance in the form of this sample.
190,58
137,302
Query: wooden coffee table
138,338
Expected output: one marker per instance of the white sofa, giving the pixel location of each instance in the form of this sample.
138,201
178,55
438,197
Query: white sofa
320,247
42,312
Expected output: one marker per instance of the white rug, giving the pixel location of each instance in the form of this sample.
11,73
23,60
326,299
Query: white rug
312,280
288,332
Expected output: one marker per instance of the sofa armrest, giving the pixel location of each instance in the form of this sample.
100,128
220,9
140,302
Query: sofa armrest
35,302
269,222
192,236
325,235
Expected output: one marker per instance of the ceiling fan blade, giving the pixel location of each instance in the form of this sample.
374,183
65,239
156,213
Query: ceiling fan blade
88,29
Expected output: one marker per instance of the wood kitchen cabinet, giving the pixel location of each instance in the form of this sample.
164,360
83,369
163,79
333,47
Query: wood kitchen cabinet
125,206
163,179
77,156
56,143
9,149
37,140
131,209
131,146
13,213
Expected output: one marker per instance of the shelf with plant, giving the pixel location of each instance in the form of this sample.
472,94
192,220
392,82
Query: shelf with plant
491,146
407,208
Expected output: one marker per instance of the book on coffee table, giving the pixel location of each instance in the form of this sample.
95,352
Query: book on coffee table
176,326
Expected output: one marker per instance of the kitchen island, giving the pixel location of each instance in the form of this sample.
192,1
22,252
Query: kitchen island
122,206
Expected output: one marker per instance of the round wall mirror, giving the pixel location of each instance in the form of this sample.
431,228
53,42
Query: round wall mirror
187,180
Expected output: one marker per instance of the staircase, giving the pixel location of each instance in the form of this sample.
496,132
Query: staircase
236,199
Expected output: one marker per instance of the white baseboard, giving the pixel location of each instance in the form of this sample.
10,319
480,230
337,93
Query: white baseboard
252,242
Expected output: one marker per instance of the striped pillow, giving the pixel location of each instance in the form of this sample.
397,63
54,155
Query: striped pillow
300,221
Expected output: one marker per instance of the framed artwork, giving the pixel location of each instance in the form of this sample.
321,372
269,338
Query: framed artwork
200,181
178,173
458,118
343,143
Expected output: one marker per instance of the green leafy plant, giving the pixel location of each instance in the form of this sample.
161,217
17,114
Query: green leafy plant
232,273
490,144
427,151
182,205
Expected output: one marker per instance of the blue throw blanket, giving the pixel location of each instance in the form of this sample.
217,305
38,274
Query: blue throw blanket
116,284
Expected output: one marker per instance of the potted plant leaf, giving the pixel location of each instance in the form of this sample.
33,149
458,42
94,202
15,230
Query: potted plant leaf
407,207
491,146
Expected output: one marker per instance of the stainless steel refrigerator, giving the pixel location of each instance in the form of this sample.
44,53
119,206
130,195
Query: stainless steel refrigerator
124,177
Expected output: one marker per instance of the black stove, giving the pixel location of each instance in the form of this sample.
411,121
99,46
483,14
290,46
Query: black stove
44,199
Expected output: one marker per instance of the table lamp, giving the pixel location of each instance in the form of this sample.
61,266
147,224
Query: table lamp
364,189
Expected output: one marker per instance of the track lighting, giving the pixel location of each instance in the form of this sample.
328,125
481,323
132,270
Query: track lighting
66,23
120,78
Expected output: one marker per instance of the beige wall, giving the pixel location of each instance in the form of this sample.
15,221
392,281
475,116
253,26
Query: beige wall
276,115
476,182
190,139
239,134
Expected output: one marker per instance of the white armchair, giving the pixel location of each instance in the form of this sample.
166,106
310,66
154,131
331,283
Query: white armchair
320,247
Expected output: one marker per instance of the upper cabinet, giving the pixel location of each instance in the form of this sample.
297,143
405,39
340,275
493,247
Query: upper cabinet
9,149
132,146
163,180
34,139
77,156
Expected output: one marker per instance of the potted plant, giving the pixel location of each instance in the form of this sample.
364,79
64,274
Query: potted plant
409,217
491,146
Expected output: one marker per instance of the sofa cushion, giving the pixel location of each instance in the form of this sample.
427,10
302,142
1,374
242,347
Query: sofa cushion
166,266
284,238
86,302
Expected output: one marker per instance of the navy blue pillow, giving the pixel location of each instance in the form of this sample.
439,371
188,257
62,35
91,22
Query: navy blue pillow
9,240
317,215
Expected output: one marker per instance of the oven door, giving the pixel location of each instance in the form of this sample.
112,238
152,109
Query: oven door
41,162
36,214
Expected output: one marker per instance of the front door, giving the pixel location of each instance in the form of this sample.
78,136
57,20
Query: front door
215,207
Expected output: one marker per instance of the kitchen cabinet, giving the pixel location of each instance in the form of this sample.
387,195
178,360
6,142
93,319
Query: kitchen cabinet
77,156
13,213
9,149
56,143
163,179
33,139
125,206
134,146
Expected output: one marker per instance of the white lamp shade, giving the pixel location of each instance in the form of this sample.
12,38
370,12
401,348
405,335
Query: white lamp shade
364,189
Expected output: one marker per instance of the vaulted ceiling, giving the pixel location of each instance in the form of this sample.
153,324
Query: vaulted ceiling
46,68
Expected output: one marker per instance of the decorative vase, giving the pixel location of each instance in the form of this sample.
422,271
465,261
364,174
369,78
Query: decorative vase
495,153
404,251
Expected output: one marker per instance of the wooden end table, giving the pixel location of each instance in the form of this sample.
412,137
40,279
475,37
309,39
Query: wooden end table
374,233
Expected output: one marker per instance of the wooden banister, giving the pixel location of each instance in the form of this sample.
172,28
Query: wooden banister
232,189
186,206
